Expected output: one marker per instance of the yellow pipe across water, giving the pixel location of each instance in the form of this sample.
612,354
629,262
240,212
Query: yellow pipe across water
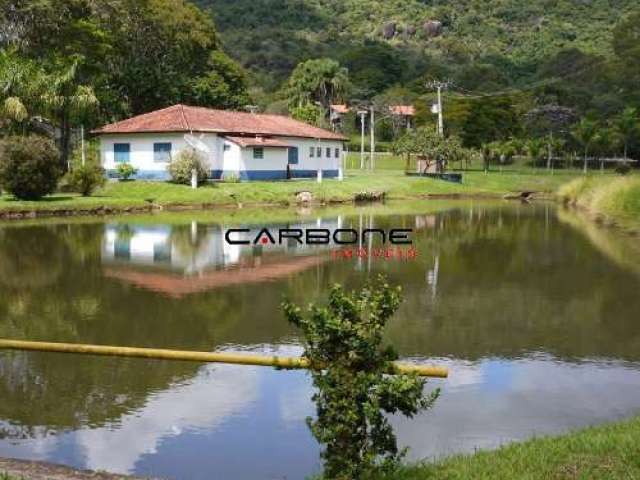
190,356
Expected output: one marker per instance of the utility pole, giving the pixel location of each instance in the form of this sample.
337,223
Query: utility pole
439,85
82,144
373,139
440,121
550,152
362,114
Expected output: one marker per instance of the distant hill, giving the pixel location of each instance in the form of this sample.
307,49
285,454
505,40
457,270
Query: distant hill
497,41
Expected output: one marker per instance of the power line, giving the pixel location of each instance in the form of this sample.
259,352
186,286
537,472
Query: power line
515,90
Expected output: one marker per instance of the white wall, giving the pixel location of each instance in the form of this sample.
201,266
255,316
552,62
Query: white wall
306,162
234,160
240,161
141,150
273,159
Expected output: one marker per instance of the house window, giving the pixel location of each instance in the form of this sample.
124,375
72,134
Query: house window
226,147
328,152
337,153
258,152
161,152
121,152
312,152
319,152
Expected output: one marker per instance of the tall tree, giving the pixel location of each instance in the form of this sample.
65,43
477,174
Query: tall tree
426,142
68,100
603,143
223,85
138,55
627,125
490,119
535,149
162,46
21,85
322,80
584,132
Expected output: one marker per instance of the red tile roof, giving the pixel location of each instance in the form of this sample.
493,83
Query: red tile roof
408,110
182,118
340,108
257,142
178,286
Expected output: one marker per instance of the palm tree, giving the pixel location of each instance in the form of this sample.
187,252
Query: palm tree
584,132
67,99
534,148
322,80
21,86
486,152
602,143
26,90
627,125
503,151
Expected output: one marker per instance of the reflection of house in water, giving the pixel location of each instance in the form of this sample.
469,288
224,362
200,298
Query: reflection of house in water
184,249
138,245
179,260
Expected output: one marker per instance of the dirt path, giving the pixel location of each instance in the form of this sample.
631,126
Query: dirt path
28,470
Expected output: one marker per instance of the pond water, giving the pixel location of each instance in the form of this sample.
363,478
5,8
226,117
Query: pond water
534,310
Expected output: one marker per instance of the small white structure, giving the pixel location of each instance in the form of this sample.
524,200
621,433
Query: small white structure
241,145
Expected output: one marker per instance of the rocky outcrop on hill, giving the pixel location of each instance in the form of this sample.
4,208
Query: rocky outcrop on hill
389,30
432,28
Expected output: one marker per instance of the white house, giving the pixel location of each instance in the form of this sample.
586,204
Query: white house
248,146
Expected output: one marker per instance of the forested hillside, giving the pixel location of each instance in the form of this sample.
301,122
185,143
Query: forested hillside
525,76
486,42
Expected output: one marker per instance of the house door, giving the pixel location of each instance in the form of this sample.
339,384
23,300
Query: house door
293,159
293,155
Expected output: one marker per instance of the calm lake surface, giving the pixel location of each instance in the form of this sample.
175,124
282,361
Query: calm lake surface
535,311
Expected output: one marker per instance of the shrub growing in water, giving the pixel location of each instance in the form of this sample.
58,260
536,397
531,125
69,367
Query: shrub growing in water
125,171
180,167
343,342
85,179
29,166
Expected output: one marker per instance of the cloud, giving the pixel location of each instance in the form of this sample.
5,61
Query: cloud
216,393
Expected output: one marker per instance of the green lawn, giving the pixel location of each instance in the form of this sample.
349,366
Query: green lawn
607,452
141,194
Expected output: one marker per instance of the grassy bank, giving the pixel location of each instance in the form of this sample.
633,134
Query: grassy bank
612,199
141,196
606,452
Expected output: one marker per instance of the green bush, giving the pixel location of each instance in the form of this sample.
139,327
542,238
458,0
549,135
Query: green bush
180,167
125,171
86,178
29,166
344,343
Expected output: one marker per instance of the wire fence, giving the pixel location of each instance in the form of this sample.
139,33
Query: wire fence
388,162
